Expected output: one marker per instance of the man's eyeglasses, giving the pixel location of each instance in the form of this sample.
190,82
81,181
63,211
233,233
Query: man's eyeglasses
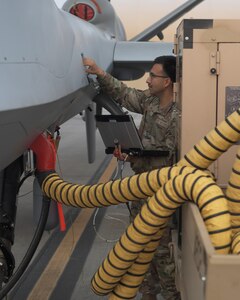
152,75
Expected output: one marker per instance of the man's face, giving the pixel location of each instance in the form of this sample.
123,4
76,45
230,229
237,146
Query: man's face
157,80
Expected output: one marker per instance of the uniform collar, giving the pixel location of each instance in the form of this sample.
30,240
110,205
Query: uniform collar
165,109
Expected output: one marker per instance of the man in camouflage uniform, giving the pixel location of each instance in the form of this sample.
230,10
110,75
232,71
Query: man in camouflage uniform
158,131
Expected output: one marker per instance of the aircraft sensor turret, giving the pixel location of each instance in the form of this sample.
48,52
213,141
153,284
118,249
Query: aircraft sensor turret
98,12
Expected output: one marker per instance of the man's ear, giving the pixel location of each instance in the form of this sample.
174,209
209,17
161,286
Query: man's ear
168,82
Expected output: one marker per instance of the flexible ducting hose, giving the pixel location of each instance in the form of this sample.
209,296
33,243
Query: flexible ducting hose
130,282
233,194
216,142
124,268
192,185
209,149
233,198
156,212
235,247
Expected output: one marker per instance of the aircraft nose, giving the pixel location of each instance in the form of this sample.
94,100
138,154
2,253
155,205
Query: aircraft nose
25,38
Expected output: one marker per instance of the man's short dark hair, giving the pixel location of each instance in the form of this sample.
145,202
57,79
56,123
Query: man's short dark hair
169,65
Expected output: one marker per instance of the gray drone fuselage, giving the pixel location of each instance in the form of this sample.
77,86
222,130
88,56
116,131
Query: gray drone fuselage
43,80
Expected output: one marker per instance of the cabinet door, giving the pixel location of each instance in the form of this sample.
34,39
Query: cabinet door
198,94
228,101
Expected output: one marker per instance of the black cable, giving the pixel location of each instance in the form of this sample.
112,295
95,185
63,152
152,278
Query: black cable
120,176
129,209
23,179
31,250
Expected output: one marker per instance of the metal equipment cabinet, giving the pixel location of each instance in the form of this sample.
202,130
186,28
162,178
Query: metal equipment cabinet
207,90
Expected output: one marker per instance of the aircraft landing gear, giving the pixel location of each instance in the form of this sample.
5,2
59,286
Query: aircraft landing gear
9,185
7,262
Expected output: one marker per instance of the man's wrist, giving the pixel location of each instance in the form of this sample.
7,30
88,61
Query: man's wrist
101,74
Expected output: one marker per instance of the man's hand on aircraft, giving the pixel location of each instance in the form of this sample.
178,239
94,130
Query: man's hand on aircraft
92,67
119,155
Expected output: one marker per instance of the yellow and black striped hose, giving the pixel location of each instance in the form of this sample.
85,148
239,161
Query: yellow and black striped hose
124,268
235,248
233,198
159,208
209,149
215,143
191,185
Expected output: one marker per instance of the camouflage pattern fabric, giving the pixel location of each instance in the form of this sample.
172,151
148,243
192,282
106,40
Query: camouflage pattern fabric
158,131
165,267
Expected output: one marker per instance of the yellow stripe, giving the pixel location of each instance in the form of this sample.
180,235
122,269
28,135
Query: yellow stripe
51,274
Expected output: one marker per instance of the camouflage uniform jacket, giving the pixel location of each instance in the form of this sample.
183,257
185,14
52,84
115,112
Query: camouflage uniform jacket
158,128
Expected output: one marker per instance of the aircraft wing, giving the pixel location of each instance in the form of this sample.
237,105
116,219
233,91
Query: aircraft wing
132,59
157,28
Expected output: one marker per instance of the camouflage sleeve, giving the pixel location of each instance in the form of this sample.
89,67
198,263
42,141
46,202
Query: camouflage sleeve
172,133
130,98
